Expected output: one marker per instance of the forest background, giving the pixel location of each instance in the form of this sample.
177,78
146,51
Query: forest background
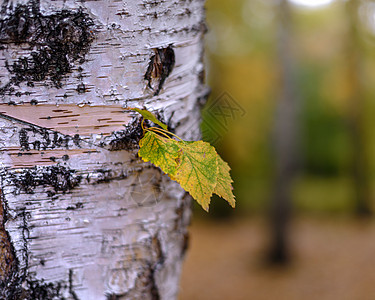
327,221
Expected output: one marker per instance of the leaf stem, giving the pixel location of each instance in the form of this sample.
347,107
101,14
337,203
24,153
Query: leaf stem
160,130
152,129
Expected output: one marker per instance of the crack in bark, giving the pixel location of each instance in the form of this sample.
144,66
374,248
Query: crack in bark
146,281
71,291
160,259
155,295
25,234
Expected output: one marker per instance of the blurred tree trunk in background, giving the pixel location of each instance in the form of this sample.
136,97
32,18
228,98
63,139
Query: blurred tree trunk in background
285,139
81,216
359,159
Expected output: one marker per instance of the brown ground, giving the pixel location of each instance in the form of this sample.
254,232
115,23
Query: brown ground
334,259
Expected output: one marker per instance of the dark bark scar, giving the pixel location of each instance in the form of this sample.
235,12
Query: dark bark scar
160,67
8,263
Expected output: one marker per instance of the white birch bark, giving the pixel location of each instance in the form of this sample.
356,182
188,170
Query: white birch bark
82,217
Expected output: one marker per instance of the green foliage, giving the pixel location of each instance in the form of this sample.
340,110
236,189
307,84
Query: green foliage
194,165
197,170
223,181
324,138
156,149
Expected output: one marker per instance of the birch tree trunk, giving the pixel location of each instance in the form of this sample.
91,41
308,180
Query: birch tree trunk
357,97
285,140
81,217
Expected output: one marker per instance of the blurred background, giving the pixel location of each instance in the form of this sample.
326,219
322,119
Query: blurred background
292,110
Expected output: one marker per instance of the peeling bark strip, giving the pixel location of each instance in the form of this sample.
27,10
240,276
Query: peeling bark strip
57,40
83,217
70,119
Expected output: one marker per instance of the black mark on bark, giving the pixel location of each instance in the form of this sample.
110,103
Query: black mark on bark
56,41
78,205
61,179
127,139
76,140
160,66
105,175
39,290
42,139
24,139
81,88
32,290
115,296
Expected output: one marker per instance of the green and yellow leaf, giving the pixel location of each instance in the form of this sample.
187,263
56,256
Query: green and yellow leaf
149,116
194,165
160,151
224,187
197,170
